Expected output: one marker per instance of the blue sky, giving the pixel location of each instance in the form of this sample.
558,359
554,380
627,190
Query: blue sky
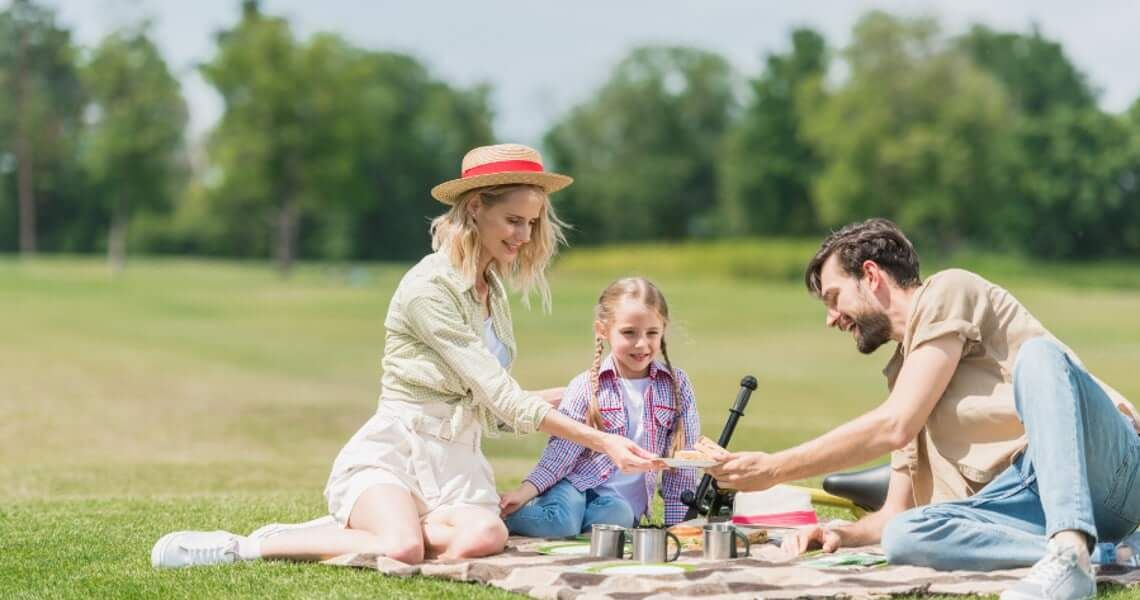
544,57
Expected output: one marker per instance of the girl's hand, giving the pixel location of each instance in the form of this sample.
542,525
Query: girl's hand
552,396
515,499
628,456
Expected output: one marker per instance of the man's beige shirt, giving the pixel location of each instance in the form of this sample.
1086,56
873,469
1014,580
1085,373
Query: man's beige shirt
973,433
434,351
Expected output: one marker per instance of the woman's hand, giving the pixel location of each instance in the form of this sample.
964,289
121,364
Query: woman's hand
811,538
552,396
628,456
515,499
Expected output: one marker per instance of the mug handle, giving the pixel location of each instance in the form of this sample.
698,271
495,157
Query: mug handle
747,544
677,543
625,533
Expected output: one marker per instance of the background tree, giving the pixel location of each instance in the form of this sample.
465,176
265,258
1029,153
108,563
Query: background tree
259,150
644,151
133,144
1036,72
917,133
339,145
768,166
39,112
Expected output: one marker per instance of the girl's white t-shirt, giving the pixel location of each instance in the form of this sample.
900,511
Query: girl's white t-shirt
631,486
494,344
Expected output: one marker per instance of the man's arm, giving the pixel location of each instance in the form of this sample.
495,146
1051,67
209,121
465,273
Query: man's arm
865,531
890,426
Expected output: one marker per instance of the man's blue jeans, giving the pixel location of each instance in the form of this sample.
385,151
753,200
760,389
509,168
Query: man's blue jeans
1079,472
563,511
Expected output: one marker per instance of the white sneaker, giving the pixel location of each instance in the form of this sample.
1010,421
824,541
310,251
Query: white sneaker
272,529
1058,576
194,548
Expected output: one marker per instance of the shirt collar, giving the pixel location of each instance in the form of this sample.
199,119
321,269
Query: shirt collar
609,368
452,272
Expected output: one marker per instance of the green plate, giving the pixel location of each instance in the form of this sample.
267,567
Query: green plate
632,568
566,549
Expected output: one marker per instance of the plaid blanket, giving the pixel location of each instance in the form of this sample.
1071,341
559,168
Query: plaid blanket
524,569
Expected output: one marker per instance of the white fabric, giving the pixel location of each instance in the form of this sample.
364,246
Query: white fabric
631,486
494,344
401,445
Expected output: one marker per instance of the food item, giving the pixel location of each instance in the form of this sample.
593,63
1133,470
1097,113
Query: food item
694,455
756,536
685,531
709,448
703,450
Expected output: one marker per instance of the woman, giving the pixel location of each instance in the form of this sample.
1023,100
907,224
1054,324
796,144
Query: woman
413,481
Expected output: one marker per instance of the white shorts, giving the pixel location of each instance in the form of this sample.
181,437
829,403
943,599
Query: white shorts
392,448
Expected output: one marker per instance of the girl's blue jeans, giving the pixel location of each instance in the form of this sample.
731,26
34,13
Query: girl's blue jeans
563,511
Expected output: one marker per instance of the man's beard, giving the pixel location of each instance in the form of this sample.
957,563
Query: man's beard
873,330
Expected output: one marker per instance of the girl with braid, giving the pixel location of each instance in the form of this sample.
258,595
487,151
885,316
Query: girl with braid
630,393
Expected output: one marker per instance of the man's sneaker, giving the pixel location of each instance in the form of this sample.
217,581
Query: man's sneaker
193,548
1058,576
273,529
1128,551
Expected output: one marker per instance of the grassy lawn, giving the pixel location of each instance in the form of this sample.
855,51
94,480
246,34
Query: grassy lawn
194,394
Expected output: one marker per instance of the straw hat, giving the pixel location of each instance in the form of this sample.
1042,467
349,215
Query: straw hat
497,165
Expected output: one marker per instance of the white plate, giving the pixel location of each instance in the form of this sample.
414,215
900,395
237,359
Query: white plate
680,463
669,569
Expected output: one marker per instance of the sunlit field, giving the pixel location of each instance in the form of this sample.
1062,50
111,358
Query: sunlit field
194,394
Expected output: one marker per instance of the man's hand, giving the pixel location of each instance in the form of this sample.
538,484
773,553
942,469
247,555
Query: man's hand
515,499
745,471
811,538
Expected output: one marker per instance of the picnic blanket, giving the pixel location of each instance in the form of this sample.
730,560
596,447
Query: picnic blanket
768,573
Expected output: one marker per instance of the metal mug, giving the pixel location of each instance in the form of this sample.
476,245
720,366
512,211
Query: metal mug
607,541
720,541
651,545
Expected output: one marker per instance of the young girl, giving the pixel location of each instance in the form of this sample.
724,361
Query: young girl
413,481
630,394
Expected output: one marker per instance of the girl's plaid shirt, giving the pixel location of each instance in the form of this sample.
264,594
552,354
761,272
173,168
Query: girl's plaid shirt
586,469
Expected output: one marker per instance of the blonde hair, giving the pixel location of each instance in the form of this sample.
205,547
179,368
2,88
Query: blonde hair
643,290
455,233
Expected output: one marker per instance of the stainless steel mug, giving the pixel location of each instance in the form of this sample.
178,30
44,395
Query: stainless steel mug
651,545
720,541
607,541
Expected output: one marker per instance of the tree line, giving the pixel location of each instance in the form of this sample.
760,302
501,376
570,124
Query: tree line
326,150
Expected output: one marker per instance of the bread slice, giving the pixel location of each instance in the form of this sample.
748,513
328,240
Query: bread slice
694,455
709,448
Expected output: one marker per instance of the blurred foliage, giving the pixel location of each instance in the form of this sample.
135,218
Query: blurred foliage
133,147
987,140
644,150
769,166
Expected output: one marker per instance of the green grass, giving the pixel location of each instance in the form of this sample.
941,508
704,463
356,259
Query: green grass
197,394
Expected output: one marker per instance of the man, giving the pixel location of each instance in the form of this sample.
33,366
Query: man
1012,453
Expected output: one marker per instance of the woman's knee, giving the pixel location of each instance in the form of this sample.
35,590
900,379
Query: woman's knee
406,551
482,538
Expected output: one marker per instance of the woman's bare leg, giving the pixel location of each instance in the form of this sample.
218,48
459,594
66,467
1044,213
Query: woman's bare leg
464,532
383,521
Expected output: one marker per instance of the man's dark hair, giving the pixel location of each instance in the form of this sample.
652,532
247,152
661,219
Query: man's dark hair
879,240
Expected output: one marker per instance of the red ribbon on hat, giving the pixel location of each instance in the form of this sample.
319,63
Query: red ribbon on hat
503,166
